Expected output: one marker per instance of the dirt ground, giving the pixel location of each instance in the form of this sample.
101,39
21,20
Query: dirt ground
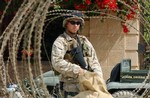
23,72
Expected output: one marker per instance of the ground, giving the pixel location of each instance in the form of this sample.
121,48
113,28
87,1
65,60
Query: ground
23,72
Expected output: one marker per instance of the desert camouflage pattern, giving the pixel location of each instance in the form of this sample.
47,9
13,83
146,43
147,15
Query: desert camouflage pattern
63,63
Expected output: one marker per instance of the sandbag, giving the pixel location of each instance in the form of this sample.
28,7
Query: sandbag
92,86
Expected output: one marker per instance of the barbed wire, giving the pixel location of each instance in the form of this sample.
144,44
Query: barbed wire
30,20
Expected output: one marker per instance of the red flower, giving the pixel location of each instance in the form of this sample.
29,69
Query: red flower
125,28
130,16
98,2
80,6
27,52
134,8
88,2
111,4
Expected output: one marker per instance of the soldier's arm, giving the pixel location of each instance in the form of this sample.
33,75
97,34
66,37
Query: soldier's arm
92,59
59,63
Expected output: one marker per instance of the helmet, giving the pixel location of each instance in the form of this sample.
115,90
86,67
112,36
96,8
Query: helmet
74,15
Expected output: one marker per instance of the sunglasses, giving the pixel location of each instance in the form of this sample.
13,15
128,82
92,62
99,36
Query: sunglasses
75,22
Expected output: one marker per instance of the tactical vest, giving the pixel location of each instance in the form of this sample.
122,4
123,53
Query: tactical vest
76,53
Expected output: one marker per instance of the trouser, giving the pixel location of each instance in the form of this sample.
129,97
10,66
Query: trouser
66,94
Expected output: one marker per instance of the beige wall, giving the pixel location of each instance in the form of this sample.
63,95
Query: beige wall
111,43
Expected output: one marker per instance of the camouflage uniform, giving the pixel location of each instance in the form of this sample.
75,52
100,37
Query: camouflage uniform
63,63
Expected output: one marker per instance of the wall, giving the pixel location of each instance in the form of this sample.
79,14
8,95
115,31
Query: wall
111,43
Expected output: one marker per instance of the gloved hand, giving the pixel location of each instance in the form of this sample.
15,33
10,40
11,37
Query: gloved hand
82,71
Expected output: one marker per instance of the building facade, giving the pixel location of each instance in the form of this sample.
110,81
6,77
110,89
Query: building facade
111,43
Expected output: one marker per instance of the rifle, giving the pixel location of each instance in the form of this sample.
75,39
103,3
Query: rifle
77,54
78,57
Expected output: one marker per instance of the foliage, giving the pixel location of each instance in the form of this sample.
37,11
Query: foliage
124,9
146,33
146,16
